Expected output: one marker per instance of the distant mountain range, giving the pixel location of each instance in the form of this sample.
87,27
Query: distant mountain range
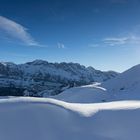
39,77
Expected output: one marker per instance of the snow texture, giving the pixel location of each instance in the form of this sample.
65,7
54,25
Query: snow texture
41,119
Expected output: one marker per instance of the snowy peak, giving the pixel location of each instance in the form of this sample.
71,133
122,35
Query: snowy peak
126,81
135,71
37,62
70,71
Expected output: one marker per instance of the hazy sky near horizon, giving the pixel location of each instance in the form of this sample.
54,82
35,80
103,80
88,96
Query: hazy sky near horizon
104,34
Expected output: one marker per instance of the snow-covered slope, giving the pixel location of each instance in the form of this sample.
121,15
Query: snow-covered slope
126,80
125,86
39,75
84,94
49,119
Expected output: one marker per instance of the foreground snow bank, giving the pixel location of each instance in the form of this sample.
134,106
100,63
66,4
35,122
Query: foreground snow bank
41,119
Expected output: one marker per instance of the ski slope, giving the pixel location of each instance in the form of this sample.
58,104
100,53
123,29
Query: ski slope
41,119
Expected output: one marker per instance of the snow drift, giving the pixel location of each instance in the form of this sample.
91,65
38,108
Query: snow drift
41,119
84,94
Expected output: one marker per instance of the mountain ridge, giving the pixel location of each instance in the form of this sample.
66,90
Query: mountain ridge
40,75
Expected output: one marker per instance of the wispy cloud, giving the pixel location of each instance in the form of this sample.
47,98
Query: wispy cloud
17,32
60,45
113,41
129,40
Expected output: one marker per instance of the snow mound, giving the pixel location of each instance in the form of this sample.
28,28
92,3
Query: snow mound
84,94
41,119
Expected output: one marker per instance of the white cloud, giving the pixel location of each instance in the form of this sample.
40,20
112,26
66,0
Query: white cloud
16,31
60,46
113,41
131,39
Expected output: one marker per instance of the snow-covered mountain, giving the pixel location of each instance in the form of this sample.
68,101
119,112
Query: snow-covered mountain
126,86
39,77
128,80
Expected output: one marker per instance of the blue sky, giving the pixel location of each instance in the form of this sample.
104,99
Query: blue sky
104,34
